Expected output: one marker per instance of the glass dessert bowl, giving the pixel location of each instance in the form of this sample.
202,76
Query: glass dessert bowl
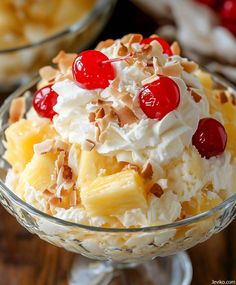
165,226
23,51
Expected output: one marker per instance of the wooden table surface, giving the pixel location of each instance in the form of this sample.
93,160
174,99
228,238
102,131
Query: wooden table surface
27,260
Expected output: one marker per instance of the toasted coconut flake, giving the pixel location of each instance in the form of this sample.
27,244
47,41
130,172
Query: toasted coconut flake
123,50
130,61
17,110
92,117
196,97
49,210
147,171
43,147
154,36
89,145
104,102
60,161
61,56
131,38
174,69
183,215
233,99
189,66
55,201
115,85
68,75
98,132
175,48
100,113
48,73
146,48
105,44
47,192
73,198
64,60
131,166
125,116
156,190
61,145
67,172
150,79
52,188
110,116
126,99
150,63
60,182
223,96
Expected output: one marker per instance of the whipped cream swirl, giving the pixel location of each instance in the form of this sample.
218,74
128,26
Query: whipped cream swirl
146,139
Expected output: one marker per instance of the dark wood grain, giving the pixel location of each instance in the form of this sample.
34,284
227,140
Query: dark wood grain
27,260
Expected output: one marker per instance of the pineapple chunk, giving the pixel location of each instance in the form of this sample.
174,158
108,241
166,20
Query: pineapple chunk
38,173
231,142
205,79
114,194
228,111
20,138
200,204
92,164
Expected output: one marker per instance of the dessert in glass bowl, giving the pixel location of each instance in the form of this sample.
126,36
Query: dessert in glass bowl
33,32
27,22
124,153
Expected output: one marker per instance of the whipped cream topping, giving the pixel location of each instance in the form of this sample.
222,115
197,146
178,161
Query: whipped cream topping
146,139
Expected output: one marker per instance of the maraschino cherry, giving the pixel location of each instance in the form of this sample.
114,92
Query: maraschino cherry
44,100
162,42
228,16
210,138
210,3
228,11
91,70
160,97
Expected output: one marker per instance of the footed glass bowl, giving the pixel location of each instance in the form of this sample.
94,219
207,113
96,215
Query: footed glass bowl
117,251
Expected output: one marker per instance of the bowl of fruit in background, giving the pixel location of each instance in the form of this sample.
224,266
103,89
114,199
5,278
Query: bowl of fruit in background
33,33
117,240
206,30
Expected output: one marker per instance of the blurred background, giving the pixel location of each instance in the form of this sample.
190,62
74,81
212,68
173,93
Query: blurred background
33,32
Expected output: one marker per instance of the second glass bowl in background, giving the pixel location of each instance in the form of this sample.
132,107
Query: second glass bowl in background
18,65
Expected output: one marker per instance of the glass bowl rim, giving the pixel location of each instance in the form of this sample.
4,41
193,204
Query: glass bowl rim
28,208
75,27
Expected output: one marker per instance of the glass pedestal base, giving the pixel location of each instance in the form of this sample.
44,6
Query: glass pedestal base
171,270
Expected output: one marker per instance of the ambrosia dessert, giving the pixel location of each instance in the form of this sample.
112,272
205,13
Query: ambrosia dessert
27,21
130,134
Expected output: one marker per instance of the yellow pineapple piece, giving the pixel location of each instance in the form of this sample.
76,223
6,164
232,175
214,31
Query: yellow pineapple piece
20,138
38,173
63,202
93,164
114,194
228,111
231,141
200,203
205,79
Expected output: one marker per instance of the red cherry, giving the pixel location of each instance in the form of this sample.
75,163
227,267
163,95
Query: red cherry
210,138
162,42
90,72
231,26
210,3
228,11
44,100
160,97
